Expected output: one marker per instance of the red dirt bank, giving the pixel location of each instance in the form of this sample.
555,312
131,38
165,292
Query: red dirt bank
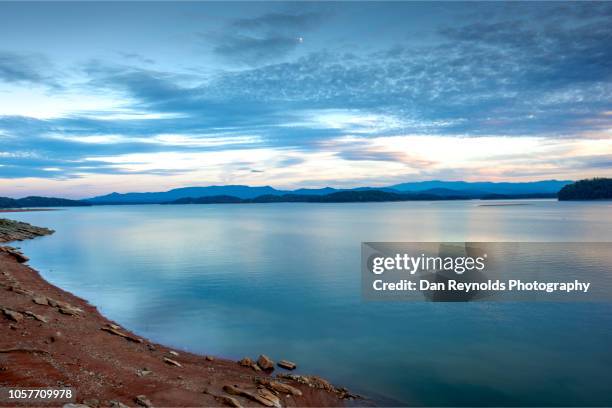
72,349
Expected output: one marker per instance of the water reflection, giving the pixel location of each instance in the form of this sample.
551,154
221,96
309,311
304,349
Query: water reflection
284,279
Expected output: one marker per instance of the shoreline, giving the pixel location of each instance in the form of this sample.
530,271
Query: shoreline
52,338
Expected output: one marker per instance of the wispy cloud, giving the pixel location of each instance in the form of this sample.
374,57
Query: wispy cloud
26,68
265,38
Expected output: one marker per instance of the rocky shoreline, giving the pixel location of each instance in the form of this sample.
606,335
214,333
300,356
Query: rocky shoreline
51,338
18,231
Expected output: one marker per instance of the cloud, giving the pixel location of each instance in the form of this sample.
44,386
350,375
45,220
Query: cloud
279,22
368,155
25,68
504,80
252,50
265,38
137,57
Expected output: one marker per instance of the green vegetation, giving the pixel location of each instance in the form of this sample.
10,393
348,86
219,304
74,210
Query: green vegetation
592,189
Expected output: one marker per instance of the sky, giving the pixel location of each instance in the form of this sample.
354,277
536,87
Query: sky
98,97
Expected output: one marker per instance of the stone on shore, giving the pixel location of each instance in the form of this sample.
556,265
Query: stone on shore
41,300
281,387
19,257
120,334
12,315
288,365
268,395
18,231
172,362
235,390
229,401
36,316
143,401
224,399
265,363
143,372
247,362
70,311
20,291
311,381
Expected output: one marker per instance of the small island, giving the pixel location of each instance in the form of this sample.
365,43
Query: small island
590,189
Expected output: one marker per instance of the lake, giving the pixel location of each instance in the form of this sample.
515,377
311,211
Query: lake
284,280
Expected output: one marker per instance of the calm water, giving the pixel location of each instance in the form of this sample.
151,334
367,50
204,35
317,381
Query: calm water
284,280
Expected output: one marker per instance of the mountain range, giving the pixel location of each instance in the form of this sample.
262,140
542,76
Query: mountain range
438,189
34,201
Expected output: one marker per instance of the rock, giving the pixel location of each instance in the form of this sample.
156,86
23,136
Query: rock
70,311
224,399
281,387
172,362
67,307
120,334
117,404
343,393
143,401
92,402
174,353
227,400
73,405
231,389
289,365
40,300
311,381
58,303
12,315
17,231
268,395
143,372
52,302
63,307
209,358
247,362
19,257
265,363
235,390
151,347
37,317
21,291
114,326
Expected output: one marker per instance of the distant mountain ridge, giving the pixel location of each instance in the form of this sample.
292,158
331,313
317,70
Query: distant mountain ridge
347,196
436,188
487,187
33,201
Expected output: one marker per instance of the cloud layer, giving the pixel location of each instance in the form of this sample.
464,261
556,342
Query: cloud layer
262,107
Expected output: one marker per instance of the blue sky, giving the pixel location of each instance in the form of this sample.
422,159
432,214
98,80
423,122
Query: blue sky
104,96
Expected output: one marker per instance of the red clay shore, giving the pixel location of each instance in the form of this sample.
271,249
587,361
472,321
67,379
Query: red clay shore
51,338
